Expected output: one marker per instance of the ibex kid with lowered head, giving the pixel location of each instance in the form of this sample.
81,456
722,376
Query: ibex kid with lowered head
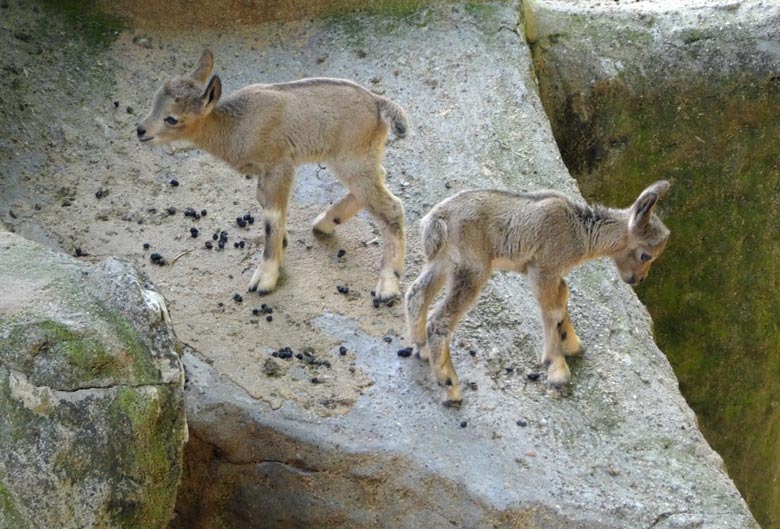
270,129
542,234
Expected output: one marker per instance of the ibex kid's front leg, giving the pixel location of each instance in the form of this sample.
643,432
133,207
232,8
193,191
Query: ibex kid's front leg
273,193
550,293
570,342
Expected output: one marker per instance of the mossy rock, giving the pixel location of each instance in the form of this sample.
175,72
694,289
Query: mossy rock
91,394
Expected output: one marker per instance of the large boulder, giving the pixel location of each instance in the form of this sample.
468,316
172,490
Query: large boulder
91,394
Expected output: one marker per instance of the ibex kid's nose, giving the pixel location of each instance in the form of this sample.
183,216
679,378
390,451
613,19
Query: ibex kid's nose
140,131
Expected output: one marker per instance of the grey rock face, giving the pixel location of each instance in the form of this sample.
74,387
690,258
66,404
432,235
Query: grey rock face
91,394
618,449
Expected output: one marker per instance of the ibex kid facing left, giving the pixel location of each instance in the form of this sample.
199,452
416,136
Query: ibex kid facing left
270,129
543,235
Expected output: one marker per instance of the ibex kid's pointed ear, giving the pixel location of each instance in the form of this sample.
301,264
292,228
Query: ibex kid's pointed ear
211,94
203,69
642,210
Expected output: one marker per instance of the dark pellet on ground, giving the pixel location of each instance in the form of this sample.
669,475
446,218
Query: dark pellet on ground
203,212
315,380
326,363
255,312
221,245
299,356
209,245
472,352
533,375
116,104
342,350
341,253
241,244
194,232
171,211
388,339
174,182
129,110
223,235
521,422
342,289
269,318
235,245
100,193
405,352
463,424
237,298
215,236
509,369
79,252
155,257
146,246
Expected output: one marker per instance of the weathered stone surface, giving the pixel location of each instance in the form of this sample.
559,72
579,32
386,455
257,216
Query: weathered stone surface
619,449
688,91
369,445
91,394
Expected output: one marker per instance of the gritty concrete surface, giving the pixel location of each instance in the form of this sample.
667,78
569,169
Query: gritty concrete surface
619,448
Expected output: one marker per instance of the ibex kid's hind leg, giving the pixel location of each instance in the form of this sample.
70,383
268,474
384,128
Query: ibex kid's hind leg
550,293
387,209
273,193
418,299
464,287
341,211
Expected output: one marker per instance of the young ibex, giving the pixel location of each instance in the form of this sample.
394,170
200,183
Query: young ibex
270,129
543,235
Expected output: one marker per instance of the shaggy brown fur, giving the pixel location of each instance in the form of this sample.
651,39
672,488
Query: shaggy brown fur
543,235
270,129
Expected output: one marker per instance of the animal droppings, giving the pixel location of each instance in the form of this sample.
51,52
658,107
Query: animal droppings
79,252
100,193
269,318
209,245
342,350
215,236
146,246
405,352
203,212
472,352
521,422
387,339
463,424
533,375
174,182
237,298
193,232
189,212
171,211
341,253
157,259
342,289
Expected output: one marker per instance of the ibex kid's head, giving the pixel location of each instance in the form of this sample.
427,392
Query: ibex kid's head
180,104
646,238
